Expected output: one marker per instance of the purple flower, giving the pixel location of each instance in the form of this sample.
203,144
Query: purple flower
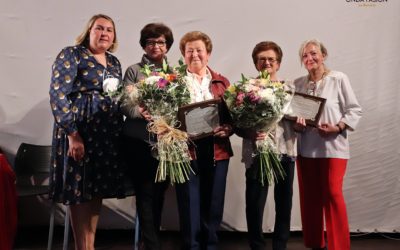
253,97
162,83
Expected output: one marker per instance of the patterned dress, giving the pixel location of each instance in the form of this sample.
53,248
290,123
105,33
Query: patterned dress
79,104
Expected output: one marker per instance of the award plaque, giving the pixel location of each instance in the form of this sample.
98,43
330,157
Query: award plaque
307,106
199,119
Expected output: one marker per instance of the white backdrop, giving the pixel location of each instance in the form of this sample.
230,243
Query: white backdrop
362,38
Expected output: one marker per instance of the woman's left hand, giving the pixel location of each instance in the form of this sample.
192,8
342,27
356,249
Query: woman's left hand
145,114
327,129
260,136
76,148
223,131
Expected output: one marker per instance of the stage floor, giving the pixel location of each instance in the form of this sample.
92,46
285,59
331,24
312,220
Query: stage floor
35,238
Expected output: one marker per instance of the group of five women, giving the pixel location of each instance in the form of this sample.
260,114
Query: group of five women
91,137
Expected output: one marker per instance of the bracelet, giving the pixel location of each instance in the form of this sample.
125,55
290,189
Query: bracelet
340,129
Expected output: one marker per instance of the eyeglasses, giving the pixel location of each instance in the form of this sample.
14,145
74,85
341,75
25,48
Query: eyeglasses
152,43
271,60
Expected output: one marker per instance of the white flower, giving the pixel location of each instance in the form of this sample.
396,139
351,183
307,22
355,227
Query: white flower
252,81
152,79
251,87
263,82
191,88
110,84
267,94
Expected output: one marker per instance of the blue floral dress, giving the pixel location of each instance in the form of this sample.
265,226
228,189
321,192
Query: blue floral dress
79,104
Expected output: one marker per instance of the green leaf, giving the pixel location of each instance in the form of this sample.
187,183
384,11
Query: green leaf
165,66
244,79
181,69
146,70
264,75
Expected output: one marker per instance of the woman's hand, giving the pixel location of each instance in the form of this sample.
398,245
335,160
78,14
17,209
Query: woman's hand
300,125
143,111
327,129
259,136
76,148
129,88
223,131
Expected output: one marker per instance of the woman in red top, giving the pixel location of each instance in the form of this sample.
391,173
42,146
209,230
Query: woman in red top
199,221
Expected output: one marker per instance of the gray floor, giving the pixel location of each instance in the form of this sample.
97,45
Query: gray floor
36,238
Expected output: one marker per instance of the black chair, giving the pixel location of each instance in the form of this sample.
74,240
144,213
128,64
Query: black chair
32,167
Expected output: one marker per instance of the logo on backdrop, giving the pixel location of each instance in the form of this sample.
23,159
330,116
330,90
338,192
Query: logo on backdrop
367,3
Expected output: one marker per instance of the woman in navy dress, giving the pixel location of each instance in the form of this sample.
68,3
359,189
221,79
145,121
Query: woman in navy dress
85,167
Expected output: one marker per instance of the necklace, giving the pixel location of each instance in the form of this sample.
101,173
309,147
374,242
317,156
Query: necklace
315,87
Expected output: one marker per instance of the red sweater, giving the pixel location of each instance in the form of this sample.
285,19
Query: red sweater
222,146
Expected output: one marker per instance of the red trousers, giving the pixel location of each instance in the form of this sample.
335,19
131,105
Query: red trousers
8,205
321,195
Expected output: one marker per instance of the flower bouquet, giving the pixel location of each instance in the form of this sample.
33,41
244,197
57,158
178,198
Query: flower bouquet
259,104
162,92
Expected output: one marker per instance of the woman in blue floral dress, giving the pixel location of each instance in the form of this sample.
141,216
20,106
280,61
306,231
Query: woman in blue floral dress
85,167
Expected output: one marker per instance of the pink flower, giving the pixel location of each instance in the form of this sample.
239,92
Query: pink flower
239,98
162,83
254,98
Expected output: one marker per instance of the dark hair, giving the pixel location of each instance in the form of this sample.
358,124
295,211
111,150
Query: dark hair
194,36
264,46
154,30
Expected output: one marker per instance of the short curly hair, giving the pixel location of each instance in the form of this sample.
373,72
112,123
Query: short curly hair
264,46
194,36
154,30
